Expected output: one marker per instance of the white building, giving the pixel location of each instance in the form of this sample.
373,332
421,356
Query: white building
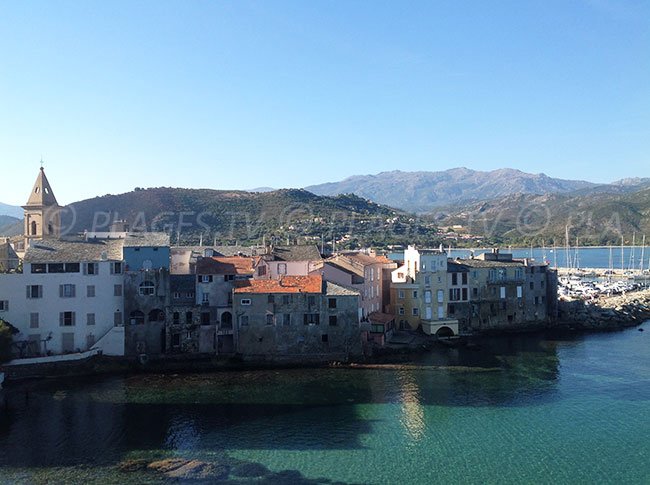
69,296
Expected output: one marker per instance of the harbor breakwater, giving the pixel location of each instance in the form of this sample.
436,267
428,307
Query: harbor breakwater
606,313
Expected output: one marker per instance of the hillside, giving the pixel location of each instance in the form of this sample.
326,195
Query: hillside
599,218
241,216
11,210
423,191
10,226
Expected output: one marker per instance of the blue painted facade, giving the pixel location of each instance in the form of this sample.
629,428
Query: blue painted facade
145,257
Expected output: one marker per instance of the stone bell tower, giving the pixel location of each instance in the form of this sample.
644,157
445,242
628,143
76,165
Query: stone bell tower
42,212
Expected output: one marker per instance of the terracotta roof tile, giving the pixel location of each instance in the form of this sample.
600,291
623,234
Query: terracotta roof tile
286,284
232,265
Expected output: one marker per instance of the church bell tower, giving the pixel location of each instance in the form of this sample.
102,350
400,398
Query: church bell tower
42,212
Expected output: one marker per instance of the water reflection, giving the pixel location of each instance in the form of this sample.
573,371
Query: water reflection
412,413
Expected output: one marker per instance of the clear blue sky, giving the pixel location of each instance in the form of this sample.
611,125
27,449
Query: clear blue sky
244,94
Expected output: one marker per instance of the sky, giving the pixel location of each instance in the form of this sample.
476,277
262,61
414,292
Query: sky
236,95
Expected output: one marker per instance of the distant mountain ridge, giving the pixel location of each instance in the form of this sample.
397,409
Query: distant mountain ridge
423,191
11,210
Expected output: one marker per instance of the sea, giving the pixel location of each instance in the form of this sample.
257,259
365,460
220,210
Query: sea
540,408
626,258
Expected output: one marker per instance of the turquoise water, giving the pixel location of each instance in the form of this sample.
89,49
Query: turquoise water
533,409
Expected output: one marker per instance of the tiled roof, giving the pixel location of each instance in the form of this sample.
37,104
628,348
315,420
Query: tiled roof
286,284
60,251
296,253
455,267
479,263
381,317
146,239
235,265
334,289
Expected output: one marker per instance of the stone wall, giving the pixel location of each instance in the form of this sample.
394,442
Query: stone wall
606,313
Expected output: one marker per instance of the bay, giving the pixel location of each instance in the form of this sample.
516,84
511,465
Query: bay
540,408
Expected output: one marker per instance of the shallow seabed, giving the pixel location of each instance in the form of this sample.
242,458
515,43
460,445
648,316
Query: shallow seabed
537,408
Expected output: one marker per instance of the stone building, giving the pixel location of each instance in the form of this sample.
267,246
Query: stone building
146,292
296,319
288,260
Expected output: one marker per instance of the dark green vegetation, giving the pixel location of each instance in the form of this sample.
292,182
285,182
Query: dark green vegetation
245,217
595,219
5,341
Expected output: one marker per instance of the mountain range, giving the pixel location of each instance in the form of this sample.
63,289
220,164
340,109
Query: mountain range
422,192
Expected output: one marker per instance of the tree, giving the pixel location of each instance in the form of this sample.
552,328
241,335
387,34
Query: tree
6,336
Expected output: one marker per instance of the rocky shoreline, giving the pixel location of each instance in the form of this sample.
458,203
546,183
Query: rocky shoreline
605,313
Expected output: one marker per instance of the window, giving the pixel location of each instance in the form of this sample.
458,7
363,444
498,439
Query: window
243,320
261,271
451,309
464,278
176,340
147,288
90,291
286,299
454,279
117,319
33,320
502,292
34,291
229,277
116,268
427,280
331,302
205,297
400,310
205,278
415,311
475,292
90,319
311,300
270,319
415,294
71,267
188,318
117,290
543,283
324,338
66,319
245,301
287,319
282,268
519,292
537,300
56,268
333,320
441,296
464,294
543,299
532,285
205,318
311,318
91,268
454,294
377,328
518,273
270,299
176,318
427,296
189,294
67,291
39,268
400,294
177,295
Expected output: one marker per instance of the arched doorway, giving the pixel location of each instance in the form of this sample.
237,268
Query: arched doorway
156,315
445,332
226,320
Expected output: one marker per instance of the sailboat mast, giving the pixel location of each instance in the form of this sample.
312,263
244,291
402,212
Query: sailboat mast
622,257
566,247
642,254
